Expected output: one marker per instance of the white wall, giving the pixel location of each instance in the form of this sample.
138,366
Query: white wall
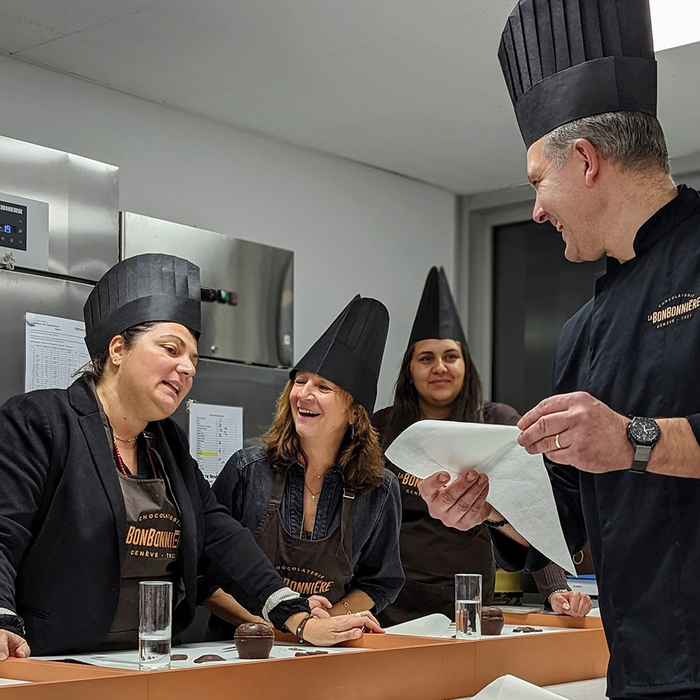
353,229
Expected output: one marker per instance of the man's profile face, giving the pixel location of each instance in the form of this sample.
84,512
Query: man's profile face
563,199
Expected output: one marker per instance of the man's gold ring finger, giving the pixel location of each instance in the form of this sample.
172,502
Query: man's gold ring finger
557,444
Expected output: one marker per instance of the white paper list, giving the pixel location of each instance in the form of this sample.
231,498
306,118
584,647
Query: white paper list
54,350
216,432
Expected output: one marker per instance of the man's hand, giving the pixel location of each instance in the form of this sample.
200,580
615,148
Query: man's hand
12,644
573,603
579,430
462,504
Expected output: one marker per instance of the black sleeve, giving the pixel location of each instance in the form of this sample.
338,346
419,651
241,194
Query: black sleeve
379,572
25,462
227,485
224,488
230,554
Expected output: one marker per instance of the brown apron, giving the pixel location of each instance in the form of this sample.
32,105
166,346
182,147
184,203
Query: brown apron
150,551
309,567
432,554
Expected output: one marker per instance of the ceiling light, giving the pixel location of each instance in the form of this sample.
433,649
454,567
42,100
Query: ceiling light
675,23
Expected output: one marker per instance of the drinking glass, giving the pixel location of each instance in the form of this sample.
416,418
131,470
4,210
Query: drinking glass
468,606
155,624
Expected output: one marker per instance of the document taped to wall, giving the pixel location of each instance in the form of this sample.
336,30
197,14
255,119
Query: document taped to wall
216,432
54,351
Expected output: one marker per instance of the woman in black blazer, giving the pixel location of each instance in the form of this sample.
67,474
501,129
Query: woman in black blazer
99,490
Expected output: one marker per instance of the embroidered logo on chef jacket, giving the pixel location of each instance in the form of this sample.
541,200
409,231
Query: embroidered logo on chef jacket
305,581
676,308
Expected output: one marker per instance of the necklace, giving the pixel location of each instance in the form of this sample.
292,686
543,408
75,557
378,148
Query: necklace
124,439
313,495
122,466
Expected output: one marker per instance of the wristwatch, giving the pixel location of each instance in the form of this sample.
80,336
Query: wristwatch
643,433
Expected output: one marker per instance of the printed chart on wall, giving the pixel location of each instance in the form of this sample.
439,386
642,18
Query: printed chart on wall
216,432
54,351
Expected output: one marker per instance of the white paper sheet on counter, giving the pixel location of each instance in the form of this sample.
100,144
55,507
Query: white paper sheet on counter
439,625
435,625
519,487
512,688
129,659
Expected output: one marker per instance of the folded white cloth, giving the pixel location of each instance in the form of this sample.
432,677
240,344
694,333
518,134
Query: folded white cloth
519,487
512,688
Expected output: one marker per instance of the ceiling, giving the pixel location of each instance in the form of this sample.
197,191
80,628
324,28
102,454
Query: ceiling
409,86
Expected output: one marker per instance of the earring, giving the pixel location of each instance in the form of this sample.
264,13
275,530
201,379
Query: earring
115,361
352,431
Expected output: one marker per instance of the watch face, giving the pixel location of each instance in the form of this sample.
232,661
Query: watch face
644,431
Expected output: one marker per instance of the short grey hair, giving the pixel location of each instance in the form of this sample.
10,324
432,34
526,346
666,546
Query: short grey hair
634,140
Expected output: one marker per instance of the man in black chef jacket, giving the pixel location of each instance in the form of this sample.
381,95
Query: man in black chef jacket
620,433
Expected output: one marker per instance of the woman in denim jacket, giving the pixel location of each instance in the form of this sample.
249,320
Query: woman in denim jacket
316,494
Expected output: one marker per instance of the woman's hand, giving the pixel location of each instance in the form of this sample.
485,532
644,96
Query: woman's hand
325,632
320,606
12,644
573,603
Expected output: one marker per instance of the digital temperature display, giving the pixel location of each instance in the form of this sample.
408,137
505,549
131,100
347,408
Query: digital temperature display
13,226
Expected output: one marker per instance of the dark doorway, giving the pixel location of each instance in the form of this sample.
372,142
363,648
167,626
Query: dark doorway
535,290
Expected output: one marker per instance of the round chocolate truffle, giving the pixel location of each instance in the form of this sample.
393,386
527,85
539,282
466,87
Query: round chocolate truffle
491,620
254,640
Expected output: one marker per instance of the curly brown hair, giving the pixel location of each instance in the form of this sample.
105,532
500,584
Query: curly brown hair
360,458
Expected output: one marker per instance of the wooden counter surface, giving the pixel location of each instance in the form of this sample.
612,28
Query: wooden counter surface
388,667
49,680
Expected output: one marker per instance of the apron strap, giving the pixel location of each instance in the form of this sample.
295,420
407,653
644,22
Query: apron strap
346,521
276,493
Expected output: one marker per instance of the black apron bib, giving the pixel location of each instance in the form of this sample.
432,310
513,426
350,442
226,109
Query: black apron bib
309,567
431,554
151,551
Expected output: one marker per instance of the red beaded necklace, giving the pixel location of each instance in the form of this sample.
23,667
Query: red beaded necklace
122,466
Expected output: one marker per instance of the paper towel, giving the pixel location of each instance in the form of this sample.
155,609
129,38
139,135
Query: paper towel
519,487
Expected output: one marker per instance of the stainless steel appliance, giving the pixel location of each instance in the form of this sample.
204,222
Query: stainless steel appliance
60,231
247,340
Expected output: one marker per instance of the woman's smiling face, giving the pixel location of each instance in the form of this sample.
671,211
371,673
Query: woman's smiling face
437,370
320,408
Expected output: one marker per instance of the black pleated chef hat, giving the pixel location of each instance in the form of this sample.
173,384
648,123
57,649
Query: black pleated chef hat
437,315
350,352
149,287
568,59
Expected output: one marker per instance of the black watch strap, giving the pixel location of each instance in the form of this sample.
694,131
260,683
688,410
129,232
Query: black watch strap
641,459
13,623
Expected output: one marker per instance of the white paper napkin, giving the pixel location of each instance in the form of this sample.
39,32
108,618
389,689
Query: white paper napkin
519,487
512,688
434,625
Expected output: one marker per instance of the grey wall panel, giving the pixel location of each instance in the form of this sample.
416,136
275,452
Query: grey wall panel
83,200
230,384
20,293
259,328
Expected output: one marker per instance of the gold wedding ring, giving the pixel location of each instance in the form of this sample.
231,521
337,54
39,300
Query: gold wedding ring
556,442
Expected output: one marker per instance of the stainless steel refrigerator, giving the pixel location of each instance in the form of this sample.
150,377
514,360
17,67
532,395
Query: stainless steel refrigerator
60,230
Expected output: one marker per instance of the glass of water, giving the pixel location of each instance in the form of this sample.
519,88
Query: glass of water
155,624
468,606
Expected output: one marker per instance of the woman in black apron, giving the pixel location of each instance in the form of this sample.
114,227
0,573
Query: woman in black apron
323,507
438,381
99,491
